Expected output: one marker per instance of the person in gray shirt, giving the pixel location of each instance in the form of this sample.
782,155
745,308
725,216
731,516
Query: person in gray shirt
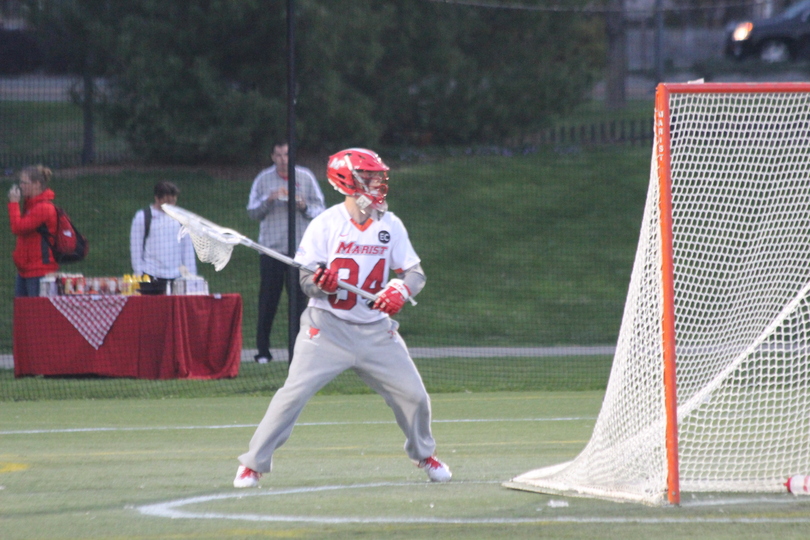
268,204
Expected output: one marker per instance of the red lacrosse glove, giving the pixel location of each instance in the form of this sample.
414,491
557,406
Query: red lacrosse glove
325,279
391,299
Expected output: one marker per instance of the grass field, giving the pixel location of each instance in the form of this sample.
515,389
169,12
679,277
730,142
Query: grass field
519,250
162,469
573,373
50,132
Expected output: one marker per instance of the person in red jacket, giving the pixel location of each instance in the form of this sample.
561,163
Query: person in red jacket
32,255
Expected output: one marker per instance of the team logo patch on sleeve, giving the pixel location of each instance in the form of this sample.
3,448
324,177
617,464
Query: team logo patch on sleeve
384,237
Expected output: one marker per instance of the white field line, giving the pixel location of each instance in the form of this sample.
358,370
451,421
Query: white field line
282,355
173,510
232,426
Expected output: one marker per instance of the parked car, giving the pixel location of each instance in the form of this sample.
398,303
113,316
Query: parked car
781,38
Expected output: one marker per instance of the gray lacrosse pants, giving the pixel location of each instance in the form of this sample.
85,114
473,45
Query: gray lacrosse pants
327,346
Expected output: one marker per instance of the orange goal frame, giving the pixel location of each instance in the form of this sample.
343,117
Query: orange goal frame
662,137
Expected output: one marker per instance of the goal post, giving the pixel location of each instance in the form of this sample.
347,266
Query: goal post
710,385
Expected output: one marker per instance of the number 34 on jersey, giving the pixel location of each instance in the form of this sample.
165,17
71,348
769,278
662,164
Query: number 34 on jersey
362,255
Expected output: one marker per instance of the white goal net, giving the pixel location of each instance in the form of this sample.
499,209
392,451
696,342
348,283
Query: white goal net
724,260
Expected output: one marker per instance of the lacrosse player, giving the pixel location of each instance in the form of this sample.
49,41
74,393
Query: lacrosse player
357,242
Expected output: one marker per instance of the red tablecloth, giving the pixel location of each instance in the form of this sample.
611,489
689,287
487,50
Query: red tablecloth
153,337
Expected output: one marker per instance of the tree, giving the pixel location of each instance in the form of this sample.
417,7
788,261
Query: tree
341,54
78,36
199,80
460,74
205,80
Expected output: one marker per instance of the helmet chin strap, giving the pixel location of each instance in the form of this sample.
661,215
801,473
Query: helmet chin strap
366,205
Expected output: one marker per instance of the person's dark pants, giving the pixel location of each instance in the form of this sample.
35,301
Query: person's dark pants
158,285
26,287
273,275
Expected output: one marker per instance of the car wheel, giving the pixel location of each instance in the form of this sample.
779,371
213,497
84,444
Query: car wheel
774,50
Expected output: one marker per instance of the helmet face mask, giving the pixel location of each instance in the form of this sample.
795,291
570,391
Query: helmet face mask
361,174
374,184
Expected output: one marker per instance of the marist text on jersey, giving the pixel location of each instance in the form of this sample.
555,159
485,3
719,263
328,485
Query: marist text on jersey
351,248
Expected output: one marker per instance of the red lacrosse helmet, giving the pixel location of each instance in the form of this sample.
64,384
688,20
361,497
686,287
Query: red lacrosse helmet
361,174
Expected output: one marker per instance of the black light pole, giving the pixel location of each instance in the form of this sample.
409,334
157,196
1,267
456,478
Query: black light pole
659,42
292,245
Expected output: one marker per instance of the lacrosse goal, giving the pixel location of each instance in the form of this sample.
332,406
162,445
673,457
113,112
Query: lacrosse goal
710,385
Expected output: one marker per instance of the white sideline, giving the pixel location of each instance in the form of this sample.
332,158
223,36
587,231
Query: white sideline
282,355
172,510
253,426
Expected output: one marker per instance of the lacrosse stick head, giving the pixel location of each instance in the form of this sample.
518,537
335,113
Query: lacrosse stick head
212,243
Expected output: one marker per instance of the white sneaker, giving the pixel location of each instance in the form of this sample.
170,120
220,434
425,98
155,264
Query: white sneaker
435,469
246,477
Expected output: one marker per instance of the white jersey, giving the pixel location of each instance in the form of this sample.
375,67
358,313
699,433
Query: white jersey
363,256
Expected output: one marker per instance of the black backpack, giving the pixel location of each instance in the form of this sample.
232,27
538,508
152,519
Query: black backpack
147,224
68,244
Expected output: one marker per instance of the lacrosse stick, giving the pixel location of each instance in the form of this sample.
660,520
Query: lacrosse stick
214,244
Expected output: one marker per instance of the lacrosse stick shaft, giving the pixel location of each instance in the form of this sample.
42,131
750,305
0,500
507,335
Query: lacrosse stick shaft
199,226
292,262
